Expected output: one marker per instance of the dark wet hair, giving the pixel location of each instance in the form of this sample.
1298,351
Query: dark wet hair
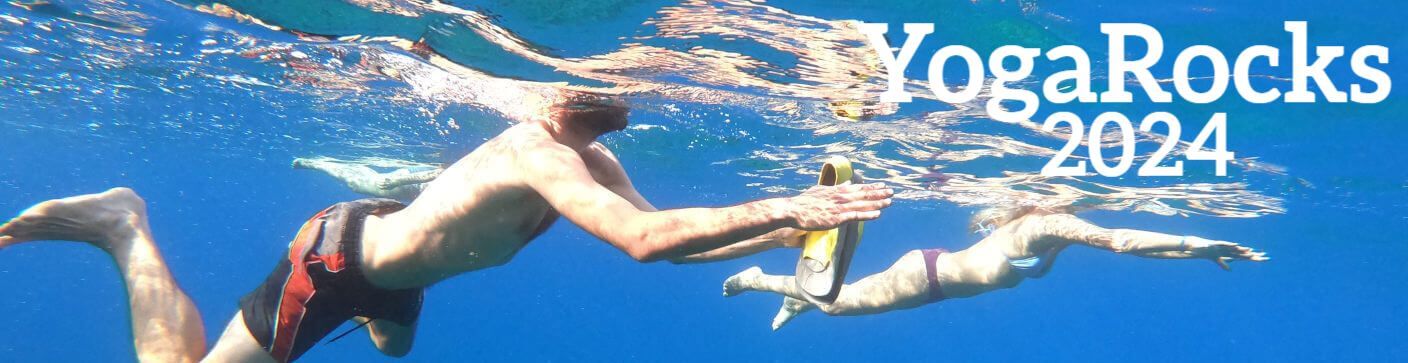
597,113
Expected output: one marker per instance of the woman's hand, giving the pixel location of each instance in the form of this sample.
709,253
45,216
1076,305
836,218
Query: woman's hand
1223,252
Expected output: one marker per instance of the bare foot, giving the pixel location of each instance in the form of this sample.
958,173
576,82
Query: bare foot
114,216
790,309
739,283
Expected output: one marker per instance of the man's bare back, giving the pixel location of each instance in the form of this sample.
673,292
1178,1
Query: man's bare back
477,214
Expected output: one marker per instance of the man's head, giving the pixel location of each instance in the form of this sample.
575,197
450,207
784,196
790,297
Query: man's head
593,114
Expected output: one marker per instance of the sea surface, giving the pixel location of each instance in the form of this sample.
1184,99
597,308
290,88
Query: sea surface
201,106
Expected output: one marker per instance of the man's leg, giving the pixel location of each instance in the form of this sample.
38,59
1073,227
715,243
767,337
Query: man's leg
236,345
166,327
391,338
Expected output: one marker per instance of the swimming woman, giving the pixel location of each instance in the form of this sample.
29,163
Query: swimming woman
403,184
1020,244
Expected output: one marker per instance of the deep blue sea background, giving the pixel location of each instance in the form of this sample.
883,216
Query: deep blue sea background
224,204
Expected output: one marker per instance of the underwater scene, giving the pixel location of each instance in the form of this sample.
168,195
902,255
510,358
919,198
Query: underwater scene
702,180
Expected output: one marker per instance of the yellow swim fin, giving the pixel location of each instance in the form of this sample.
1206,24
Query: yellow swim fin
820,244
826,255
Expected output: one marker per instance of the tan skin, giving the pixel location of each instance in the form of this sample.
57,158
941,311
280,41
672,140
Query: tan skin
401,184
985,266
477,214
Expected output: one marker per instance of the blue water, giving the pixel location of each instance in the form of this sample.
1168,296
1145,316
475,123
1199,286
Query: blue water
206,138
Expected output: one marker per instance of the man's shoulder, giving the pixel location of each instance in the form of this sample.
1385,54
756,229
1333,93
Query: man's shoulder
604,166
598,151
535,151
529,141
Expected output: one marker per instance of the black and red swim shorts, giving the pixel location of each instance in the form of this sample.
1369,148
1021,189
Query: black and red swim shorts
318,284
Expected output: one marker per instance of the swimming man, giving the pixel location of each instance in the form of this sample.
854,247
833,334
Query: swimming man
369,260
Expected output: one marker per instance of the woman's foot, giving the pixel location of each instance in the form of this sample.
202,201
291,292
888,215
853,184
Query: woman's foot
790,309
742,281
114,216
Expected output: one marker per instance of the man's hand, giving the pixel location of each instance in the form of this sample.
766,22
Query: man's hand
826,207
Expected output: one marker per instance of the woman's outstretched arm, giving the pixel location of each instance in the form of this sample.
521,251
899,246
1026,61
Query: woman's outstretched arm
1072,229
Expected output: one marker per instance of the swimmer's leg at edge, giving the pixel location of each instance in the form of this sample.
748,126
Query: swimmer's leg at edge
166,327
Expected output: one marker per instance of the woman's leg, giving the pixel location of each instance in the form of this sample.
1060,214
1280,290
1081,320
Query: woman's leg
166,327
904,285
753,279
791,307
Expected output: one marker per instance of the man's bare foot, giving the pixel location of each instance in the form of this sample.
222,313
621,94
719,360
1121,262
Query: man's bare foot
790,309
114,216
740,282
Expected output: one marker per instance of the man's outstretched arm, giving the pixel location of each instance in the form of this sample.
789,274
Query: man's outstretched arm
786,237
607,170
560,175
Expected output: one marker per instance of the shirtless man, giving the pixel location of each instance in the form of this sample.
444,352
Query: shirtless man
369,260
